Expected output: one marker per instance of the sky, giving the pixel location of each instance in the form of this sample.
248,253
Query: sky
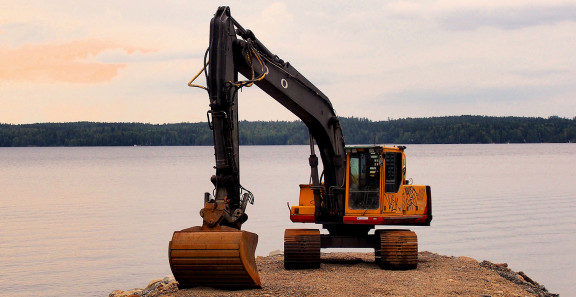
130,61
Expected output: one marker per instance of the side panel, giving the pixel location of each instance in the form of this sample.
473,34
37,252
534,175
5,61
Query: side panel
304,212
410,206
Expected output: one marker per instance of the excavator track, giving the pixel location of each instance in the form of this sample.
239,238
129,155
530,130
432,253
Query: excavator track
396,249
302,248
222,258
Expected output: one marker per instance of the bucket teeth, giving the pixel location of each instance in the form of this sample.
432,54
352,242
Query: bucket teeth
222,258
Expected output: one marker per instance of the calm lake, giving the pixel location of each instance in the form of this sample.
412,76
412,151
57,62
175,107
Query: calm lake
87,221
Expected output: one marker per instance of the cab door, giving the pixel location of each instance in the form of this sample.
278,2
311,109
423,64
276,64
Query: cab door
364,179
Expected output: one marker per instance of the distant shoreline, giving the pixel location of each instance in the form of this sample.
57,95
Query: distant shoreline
437,130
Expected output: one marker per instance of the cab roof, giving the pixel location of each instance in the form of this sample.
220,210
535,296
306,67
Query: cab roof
362,147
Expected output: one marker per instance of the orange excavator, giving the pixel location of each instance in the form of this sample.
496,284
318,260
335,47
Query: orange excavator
360,187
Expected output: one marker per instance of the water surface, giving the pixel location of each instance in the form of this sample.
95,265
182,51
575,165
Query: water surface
86,221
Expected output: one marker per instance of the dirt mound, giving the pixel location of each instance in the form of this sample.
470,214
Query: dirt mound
347,274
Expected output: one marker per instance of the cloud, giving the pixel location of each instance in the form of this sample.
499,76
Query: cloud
376,59
509,18
72,62
475,14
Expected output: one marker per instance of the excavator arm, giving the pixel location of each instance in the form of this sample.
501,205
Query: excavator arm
234,50
218,253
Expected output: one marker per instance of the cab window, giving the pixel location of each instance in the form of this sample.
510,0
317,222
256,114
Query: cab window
393,172
364,181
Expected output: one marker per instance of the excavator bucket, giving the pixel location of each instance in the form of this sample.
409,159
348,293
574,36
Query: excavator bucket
219,258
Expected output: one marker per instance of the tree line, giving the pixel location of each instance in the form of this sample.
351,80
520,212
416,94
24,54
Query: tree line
435,130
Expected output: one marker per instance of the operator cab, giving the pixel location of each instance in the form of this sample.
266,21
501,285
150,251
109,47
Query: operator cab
377,192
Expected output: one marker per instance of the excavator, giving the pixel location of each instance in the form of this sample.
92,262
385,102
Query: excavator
359,188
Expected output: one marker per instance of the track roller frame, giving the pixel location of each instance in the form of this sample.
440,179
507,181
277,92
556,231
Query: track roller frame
396,249
302,248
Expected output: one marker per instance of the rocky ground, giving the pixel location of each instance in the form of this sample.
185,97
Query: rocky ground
356,274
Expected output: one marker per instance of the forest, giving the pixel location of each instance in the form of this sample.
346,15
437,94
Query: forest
435,130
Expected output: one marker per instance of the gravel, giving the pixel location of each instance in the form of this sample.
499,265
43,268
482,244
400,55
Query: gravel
356,274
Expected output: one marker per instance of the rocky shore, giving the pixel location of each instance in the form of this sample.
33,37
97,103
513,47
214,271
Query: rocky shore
355,274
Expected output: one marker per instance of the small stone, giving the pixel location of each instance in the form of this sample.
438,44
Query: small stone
128,293
152,283
528,279
276,253
467,259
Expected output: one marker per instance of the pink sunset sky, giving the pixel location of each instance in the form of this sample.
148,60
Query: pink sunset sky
130,61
